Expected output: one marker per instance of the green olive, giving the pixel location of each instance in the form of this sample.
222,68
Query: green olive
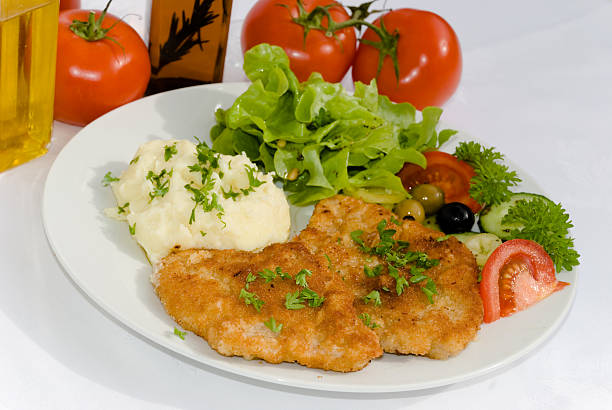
410,209
430,196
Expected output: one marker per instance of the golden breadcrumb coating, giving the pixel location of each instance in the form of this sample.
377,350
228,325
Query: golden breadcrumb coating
200,289
408,323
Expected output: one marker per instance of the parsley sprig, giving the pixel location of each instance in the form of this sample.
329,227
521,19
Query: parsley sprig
161,183
367,320
108,178
273,326
179,333
208,162
253,183
396,255
251,298
169,151
296,300
374,297
548,224
269,275
293,301
122,209
493,180
300,278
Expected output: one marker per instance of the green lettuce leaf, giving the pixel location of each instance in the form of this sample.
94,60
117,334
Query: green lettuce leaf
338,141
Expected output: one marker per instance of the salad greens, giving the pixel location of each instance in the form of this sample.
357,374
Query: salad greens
493,179
319,139
548,224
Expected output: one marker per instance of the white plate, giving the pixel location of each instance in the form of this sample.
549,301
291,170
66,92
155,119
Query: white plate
109,267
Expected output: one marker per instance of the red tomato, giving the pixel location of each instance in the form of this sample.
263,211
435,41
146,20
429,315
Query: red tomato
444,171
69,4
518,274
269,21
94,77
429,58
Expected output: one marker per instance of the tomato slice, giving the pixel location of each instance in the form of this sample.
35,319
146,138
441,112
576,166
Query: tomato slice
518,274
445,171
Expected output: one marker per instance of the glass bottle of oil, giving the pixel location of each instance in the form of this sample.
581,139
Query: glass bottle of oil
28,42
187,42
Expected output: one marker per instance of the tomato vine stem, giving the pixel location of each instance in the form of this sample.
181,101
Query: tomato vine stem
313,20
91,30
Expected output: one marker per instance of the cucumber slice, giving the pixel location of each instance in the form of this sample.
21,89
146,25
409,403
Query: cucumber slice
491,217
481,245
464,236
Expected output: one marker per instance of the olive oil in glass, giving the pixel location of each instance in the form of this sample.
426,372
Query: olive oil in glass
187,42
28,43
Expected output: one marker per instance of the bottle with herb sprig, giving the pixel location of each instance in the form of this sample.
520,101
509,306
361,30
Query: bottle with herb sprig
187,42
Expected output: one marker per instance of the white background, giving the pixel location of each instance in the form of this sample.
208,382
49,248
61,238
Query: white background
537,85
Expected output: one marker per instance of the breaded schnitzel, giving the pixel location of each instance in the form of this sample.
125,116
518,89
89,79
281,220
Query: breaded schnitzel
407,323
225,297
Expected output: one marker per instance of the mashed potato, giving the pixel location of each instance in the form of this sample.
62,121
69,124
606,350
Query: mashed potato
168,206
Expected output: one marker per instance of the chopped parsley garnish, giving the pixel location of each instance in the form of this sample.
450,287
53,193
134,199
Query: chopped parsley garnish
132,229
251,299
179,333
367,320
108,178
273,326
330,265
429,289
443,238
202,233
169,151
121,209
253,181
250,278
230,194
372,272
300,278
293,301
268,275
208,161
374,297
207,200
356,237
135,160
312,297
492,182
161,183
281,274
400,281
397,256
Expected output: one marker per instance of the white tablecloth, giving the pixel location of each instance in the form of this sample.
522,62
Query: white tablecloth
537,84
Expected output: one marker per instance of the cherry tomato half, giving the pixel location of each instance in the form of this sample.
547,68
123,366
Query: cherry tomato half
445,171
94,77
429,58
270,21
518,274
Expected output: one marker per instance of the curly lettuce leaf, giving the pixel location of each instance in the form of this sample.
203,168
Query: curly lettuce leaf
338,142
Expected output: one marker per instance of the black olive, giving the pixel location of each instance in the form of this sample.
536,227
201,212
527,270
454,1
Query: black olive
455,217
